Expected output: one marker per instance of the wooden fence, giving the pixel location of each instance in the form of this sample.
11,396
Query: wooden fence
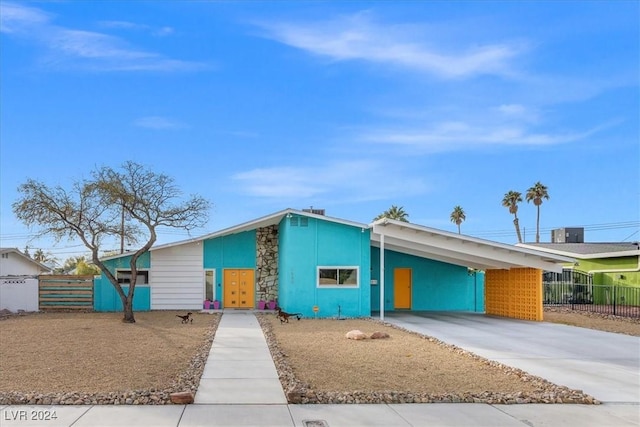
65,292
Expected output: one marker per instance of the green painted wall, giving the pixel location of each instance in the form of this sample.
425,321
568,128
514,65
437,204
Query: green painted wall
615,277
622,263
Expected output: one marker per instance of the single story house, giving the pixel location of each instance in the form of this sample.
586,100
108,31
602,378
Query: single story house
609,263
15,263
327,267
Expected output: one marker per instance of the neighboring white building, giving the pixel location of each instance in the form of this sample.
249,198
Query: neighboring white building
15,263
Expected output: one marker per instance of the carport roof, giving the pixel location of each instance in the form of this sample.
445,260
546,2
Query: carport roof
459,249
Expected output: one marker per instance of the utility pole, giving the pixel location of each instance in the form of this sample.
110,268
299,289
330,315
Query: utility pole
122,231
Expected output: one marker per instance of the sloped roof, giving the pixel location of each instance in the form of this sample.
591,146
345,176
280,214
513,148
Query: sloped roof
264,221
587,250
415,240
459,249
17,251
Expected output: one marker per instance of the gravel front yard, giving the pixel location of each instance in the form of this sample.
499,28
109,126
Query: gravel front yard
94,358
317,364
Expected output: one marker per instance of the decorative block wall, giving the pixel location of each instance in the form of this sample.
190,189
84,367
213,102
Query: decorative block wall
515,293
267,263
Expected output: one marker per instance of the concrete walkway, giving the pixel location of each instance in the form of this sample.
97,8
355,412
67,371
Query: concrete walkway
240,369
238,389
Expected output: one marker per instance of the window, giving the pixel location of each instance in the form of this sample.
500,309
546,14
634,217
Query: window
209,281
124,277
338,277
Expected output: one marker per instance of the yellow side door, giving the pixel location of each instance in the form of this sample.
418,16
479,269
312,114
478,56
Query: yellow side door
402,288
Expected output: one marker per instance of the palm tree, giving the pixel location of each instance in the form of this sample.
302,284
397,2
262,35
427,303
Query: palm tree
511,200
40,256
537,193
458,216
394,212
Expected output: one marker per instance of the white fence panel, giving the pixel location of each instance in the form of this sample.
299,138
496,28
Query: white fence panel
19,293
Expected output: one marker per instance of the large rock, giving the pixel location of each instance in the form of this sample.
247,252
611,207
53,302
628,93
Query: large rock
356,335
379,335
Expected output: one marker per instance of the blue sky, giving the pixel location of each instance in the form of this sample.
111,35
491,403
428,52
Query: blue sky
347,106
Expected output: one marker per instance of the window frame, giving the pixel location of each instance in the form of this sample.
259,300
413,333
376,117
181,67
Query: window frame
338,268
145,272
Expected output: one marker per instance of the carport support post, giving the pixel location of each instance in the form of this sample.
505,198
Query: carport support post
381,276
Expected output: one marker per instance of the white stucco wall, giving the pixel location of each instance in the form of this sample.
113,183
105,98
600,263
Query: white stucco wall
19,294
177,277
14,264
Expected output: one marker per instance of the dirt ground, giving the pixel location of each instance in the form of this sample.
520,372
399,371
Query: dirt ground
321,357
620,325
96,352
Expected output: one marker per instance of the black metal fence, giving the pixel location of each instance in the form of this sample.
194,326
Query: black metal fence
576,290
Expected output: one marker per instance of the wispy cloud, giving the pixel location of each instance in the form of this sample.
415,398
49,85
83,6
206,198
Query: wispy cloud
126,25
358,37
159,123
79,49
345,180
460,135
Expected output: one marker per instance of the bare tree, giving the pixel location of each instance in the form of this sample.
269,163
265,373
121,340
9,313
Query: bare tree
91,211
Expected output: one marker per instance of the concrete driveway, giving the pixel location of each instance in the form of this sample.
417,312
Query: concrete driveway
602,364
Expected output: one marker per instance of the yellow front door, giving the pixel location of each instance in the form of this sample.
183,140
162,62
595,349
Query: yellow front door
239,288
402,288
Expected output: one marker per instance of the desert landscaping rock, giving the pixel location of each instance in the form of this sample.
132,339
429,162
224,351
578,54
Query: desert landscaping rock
187,381
300,391
379,335
355,335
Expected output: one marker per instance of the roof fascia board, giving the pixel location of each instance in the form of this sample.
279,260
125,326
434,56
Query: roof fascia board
579,255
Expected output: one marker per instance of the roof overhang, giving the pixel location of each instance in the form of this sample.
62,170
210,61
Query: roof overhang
599,255
460,250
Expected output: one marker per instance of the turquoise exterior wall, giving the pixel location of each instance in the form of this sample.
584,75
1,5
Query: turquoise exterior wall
105,297
436,286
322,243
231,251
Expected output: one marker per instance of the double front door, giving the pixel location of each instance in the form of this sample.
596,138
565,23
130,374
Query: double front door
239,288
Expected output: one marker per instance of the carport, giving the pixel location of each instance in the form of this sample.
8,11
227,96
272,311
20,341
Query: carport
513,275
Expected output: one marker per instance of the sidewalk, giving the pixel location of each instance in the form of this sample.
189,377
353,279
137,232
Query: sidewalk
240,387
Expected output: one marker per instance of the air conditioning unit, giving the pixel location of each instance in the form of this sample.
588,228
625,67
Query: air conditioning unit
568,235
314,211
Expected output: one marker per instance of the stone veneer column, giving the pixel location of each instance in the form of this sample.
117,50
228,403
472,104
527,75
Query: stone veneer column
267,263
